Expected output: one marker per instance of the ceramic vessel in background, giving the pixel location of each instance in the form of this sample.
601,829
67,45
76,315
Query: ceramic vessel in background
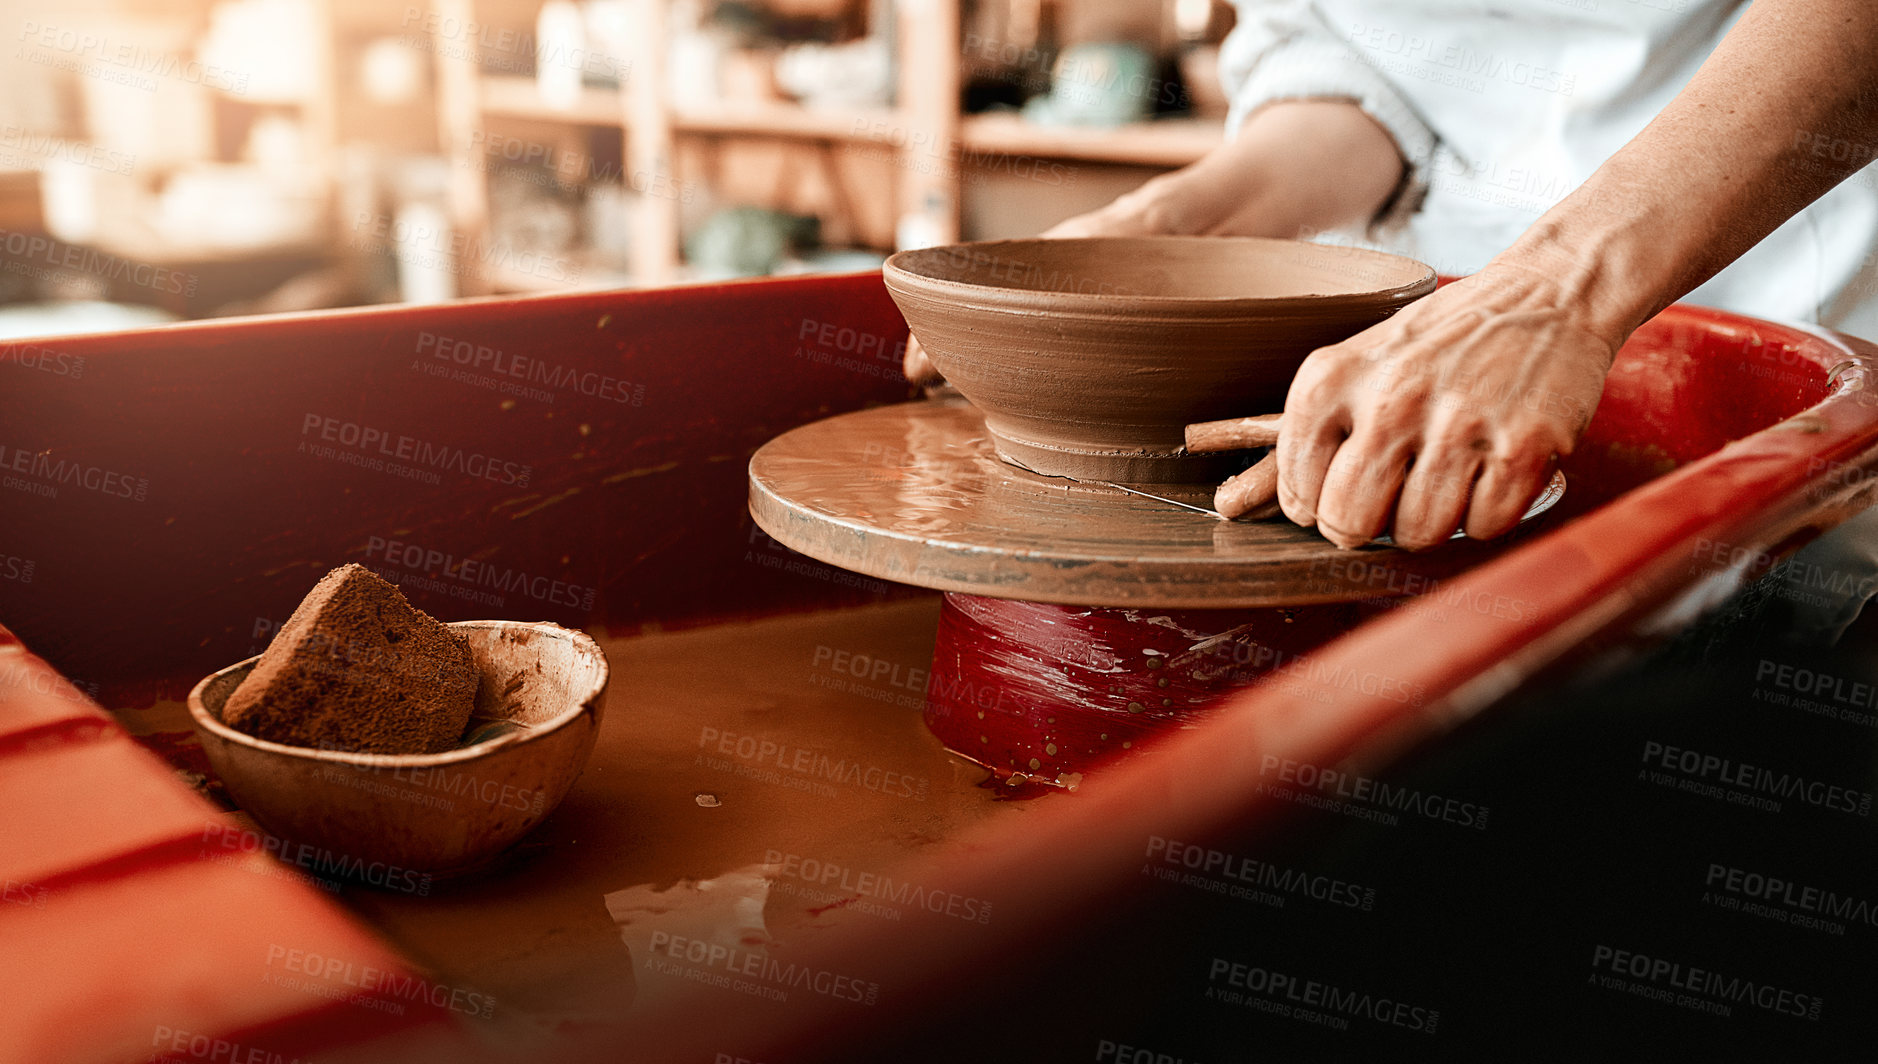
1089,357
381,816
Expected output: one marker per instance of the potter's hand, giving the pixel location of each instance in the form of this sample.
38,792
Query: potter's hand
919,369
1146,211
1483,381
1448,415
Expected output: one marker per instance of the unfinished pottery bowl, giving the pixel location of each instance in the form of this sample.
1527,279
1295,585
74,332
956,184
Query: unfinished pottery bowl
377,817
1089,357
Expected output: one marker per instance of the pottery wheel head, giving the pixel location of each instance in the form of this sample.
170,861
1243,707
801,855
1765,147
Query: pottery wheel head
915,494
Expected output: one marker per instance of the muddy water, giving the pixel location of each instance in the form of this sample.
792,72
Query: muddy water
747,778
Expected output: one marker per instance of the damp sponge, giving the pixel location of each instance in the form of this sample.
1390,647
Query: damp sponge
358,668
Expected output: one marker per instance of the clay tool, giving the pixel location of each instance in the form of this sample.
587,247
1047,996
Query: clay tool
1252,494
1120,487
1171,502
1233,434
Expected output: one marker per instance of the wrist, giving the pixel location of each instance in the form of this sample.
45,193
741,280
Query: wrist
1540,285
1590,272
1613,272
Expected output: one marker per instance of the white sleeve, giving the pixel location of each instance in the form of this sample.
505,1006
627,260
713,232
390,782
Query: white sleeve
1286,50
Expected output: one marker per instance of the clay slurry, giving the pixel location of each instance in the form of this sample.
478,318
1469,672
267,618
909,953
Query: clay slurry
358,668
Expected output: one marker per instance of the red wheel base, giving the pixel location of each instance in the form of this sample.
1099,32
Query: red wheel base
1040,693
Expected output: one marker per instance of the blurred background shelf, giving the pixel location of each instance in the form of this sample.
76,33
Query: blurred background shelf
1164,143
350,151
520,97
781,119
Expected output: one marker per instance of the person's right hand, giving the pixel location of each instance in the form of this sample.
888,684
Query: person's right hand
1448,415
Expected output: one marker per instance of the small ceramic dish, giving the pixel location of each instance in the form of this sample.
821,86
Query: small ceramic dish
538,710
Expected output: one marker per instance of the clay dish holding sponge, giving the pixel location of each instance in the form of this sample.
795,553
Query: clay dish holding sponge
1088,357
382,738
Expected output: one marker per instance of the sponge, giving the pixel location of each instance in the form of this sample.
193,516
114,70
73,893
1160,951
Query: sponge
358,668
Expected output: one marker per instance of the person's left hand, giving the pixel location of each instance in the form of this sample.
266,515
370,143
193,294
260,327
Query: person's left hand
1451,414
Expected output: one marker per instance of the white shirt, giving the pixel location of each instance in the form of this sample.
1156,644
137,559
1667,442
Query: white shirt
1503,107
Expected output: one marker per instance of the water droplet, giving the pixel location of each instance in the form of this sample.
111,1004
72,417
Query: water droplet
1035,764
1135,707
1049,748
707,800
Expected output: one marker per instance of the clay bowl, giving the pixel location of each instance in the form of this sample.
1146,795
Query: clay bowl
378,816
1089,357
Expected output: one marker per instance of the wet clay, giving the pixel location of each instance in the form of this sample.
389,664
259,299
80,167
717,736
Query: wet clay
1089,357
358,668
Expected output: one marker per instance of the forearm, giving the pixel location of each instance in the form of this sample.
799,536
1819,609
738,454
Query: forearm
1729,161
1297,166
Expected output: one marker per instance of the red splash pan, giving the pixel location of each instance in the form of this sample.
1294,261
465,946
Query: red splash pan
1721,442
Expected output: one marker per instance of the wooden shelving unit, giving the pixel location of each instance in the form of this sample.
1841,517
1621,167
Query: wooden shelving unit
926,115
782,120
519,97
164,35
1168,142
